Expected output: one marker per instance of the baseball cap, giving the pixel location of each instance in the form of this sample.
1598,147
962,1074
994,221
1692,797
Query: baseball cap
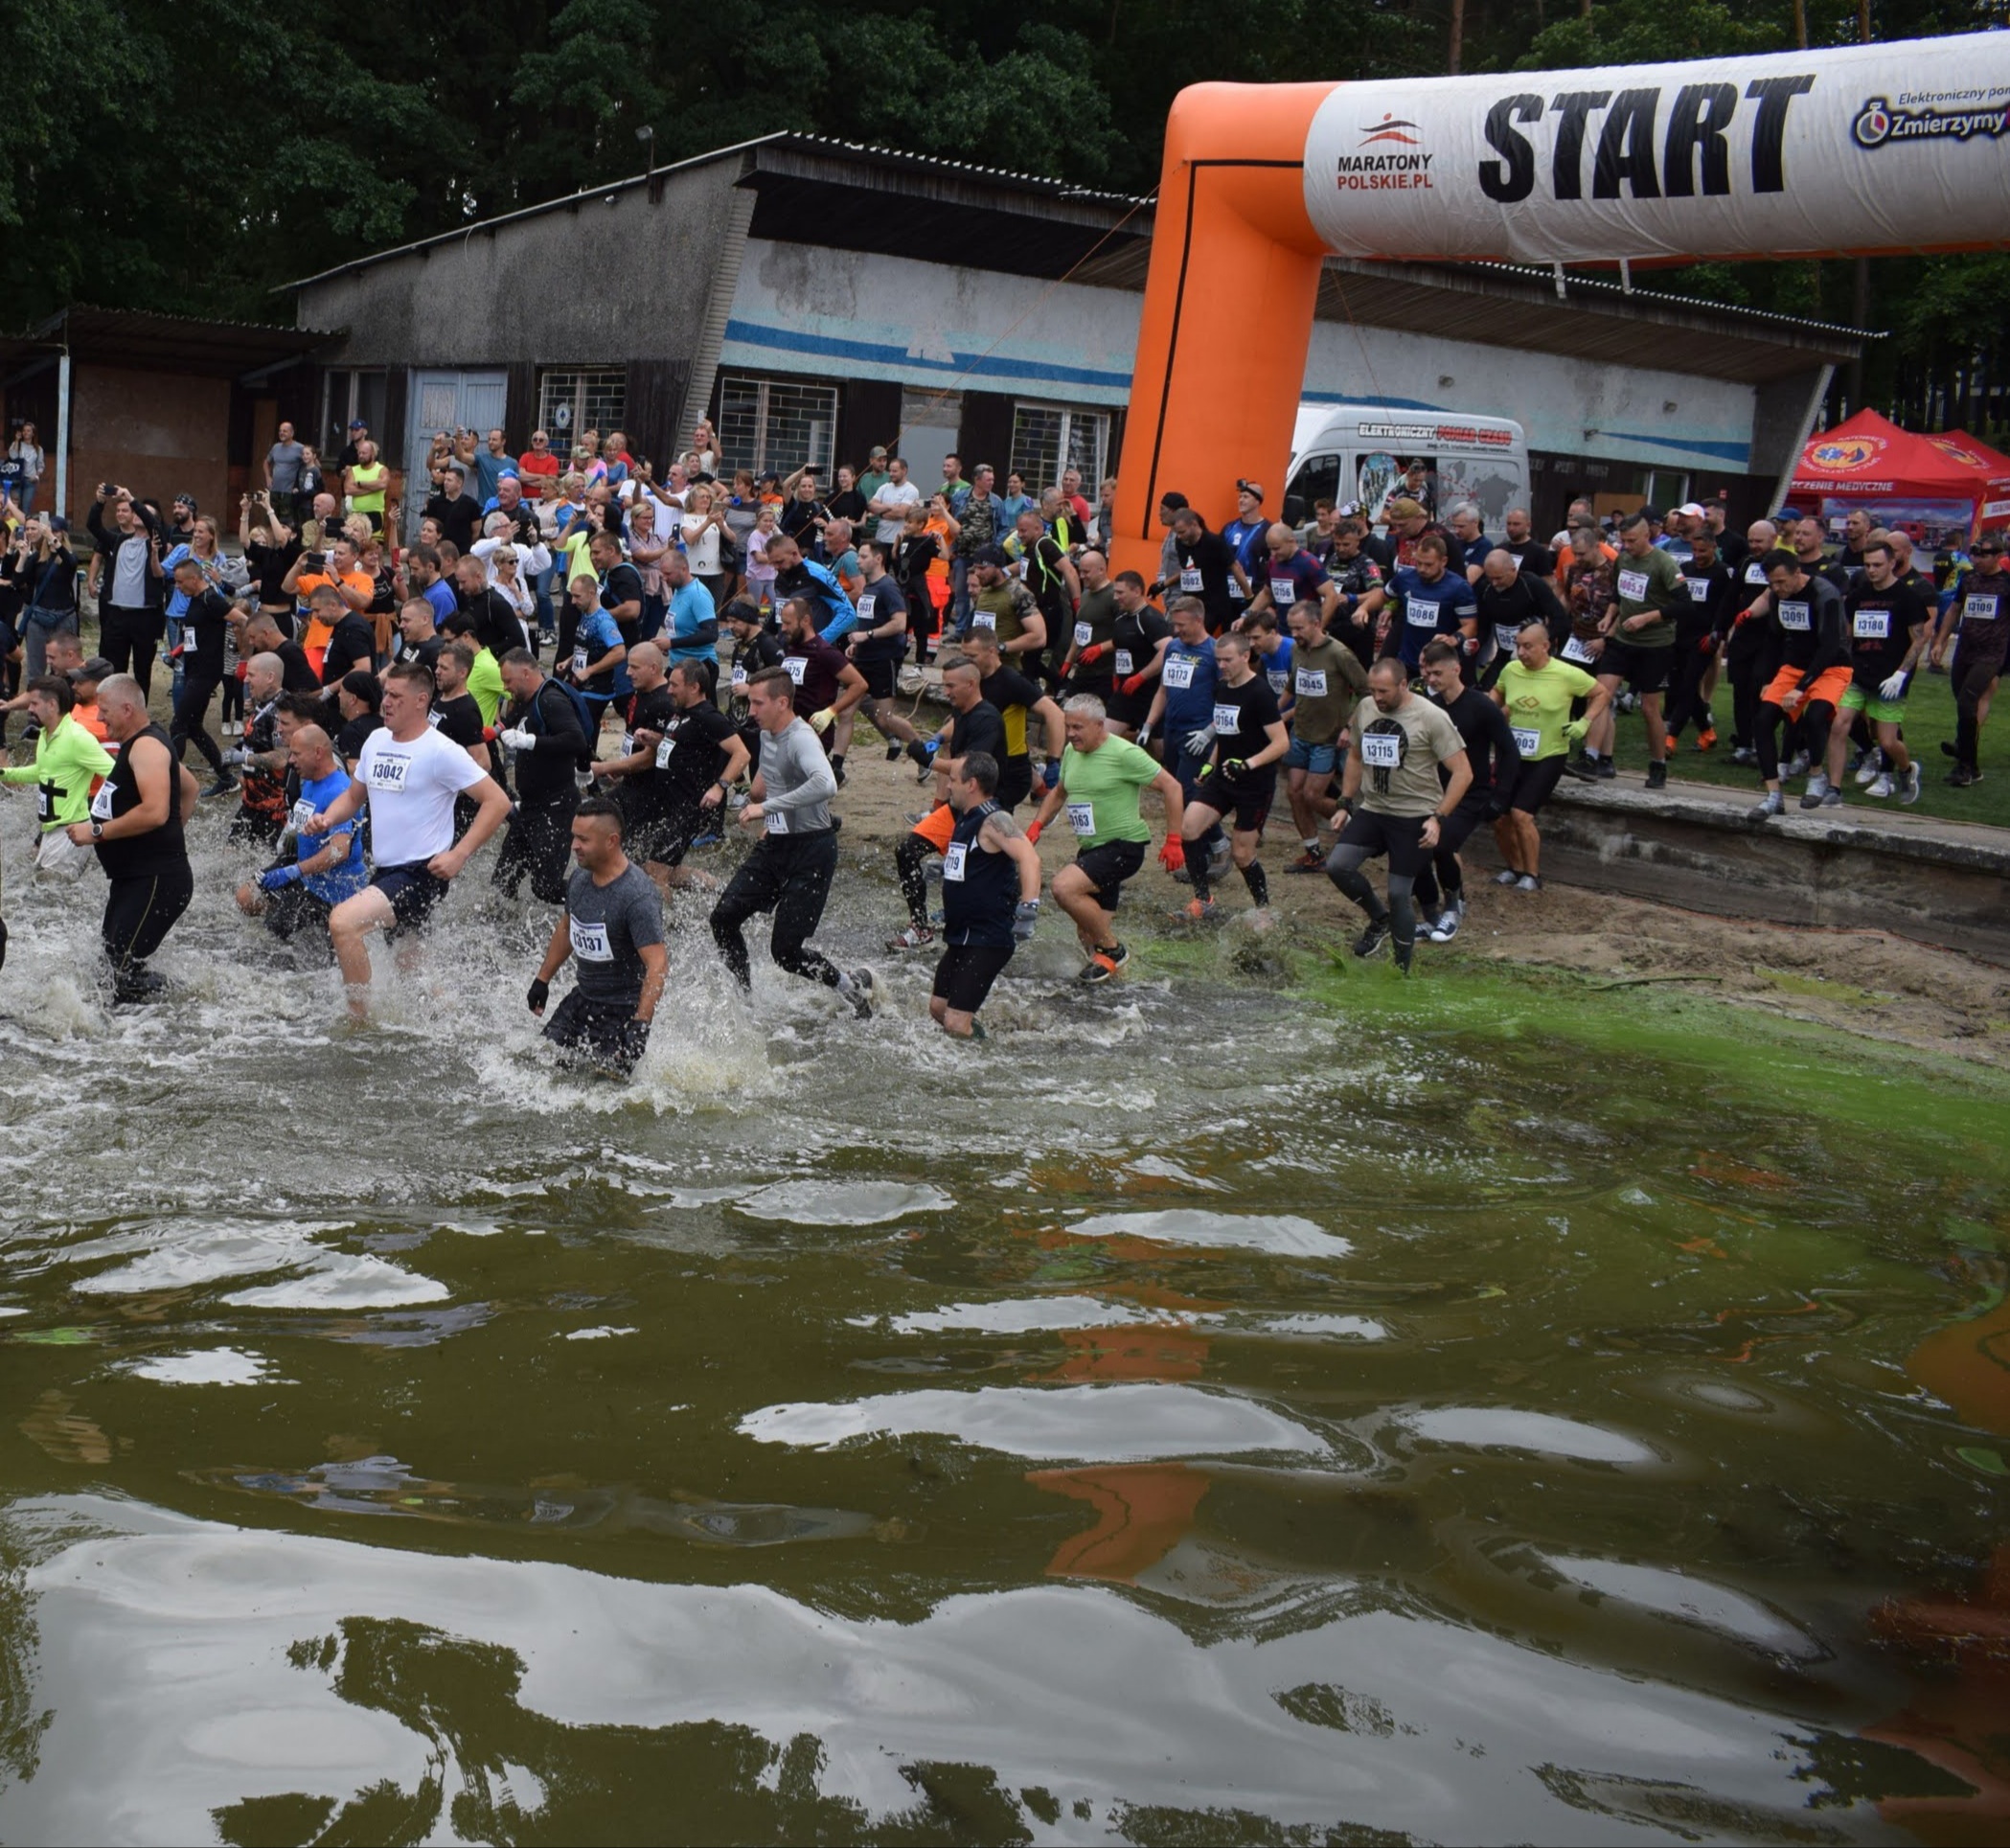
879,450
96,668
358,423
1249,487
1405,508
990,555
1690,509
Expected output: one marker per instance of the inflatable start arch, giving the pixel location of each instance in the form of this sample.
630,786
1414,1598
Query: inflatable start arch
1862,151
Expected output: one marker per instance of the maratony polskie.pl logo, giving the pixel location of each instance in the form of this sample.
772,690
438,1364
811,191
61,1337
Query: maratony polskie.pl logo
1879,121
1390,159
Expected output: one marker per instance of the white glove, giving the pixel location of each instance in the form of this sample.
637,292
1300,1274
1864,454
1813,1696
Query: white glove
1894,689
518,738
1198,742
1144,738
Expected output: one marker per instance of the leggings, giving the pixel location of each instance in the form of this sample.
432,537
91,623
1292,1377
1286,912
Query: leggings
1745,665
1686,704
910,860
189,711
130,637
1815,719
790,876
1343,867
139,912
1972,680
233,698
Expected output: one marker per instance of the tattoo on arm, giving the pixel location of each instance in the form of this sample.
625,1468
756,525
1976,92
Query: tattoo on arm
1001,826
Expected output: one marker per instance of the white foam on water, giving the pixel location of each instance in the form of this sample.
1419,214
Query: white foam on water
1683,1599
185,1254
1021,1316
1117,1424
1282,1234
203,1367
838,1202
345,1280
597,1334
1305,1328
1503,1428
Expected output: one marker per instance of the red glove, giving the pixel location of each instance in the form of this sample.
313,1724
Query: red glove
1131,685
1173,854
1092,654
1707,646
1033,832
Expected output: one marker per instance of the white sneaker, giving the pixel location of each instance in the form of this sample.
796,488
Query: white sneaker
1908,794
1871,772
1445,928
1880,787
1817,791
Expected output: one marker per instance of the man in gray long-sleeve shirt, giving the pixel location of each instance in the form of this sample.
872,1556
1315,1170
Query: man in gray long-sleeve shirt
791,869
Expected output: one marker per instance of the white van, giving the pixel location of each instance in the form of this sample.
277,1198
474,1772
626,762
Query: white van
1359,452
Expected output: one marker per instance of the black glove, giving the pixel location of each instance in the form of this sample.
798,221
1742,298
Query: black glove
630,1046
1235,766
541,993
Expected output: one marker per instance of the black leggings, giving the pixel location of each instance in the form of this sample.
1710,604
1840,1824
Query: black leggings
790,876
910,859
1972,680
1343,867
1686,704
139,912
1744,664
128,638
1444,869
1815,719
189,711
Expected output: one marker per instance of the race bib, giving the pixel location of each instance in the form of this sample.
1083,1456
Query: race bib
1632,585
1082,635
628,743
739,675
1978,608
866,601
1699,589
1280,682
777,823
984,619
590,942
1124,668
1018,570
1190,580
1577,650
578,662
1504,634
101,802
304,811
1227,721
388,773
1284,592
1528,740
1795,616
1873,625
1381,750
1179,672
1419,614
1311,683
1754,573
44,802
432,719
797,664
953,858
1081,817
663,751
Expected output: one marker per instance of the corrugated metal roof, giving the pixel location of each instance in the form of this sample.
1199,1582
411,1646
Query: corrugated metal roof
143,337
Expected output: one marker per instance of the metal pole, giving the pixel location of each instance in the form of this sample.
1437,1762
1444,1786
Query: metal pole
62,430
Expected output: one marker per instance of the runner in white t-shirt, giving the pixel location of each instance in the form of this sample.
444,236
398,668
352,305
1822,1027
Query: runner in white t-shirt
410,774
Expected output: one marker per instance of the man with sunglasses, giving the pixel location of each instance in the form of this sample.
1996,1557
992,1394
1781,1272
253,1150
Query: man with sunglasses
537,468
1983,610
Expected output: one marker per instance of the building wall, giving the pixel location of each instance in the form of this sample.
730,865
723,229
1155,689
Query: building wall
160,434
616,278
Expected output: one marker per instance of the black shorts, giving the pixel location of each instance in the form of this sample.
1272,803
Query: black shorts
1014,783
596,1031
1109,866
1247,805
292,911
1400,836
1644,669
882,678
664,839
1128,708
414,892
1536,783
1456,827
963,976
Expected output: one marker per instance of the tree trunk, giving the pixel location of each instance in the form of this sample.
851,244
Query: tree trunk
1458,37
1800,23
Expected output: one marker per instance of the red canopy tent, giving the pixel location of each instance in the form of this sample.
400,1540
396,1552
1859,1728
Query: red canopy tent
1940,489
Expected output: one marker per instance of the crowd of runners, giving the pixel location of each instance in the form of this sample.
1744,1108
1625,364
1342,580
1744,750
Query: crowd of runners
607,673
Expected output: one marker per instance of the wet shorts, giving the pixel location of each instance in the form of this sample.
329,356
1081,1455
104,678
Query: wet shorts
1827,691
1644,669
414,892
1109,866
292,911
1318,759
1246,805
594,1032
963,976
1866,700
1535,783
937,827
1398,837
664,839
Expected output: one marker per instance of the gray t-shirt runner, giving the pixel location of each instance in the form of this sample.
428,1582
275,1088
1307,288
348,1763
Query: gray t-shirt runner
610,925
797,781
287,458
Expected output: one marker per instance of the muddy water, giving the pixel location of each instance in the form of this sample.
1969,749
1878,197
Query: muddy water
1207,1414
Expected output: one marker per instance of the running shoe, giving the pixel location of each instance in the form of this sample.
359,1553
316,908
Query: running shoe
1775,804
1868,770
892,750
1445,928
1580,766
1859,758
1606,769
914,937
1831,799
1706,740
1880,787
1198,911
1746,757
1217,858
1658,775
1961,777
1373,937
837,771
1796,766
1909,793
1312,860
1818,790
1508,876
223,785
1528,883
1104,965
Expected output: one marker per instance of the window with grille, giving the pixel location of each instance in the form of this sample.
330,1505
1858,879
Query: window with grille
575,398
1049,439
776,424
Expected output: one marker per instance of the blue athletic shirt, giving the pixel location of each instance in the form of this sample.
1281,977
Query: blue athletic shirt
1429,610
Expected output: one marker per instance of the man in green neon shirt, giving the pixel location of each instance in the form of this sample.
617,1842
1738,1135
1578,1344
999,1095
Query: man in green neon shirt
68,762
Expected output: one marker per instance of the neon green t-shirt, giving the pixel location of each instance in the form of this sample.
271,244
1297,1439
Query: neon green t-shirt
1538,705
484,684
1101,790
67,761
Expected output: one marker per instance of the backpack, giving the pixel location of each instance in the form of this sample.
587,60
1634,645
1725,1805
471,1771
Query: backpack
589,722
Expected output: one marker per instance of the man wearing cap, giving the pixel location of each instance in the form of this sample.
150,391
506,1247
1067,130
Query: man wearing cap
978,522
1682,525
1244,536
83,683
875,476
1006,605
358,432
1408,522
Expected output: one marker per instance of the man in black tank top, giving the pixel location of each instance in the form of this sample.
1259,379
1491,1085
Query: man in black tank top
136,826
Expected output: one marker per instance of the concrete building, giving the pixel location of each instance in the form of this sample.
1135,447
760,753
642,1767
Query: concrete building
816,298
